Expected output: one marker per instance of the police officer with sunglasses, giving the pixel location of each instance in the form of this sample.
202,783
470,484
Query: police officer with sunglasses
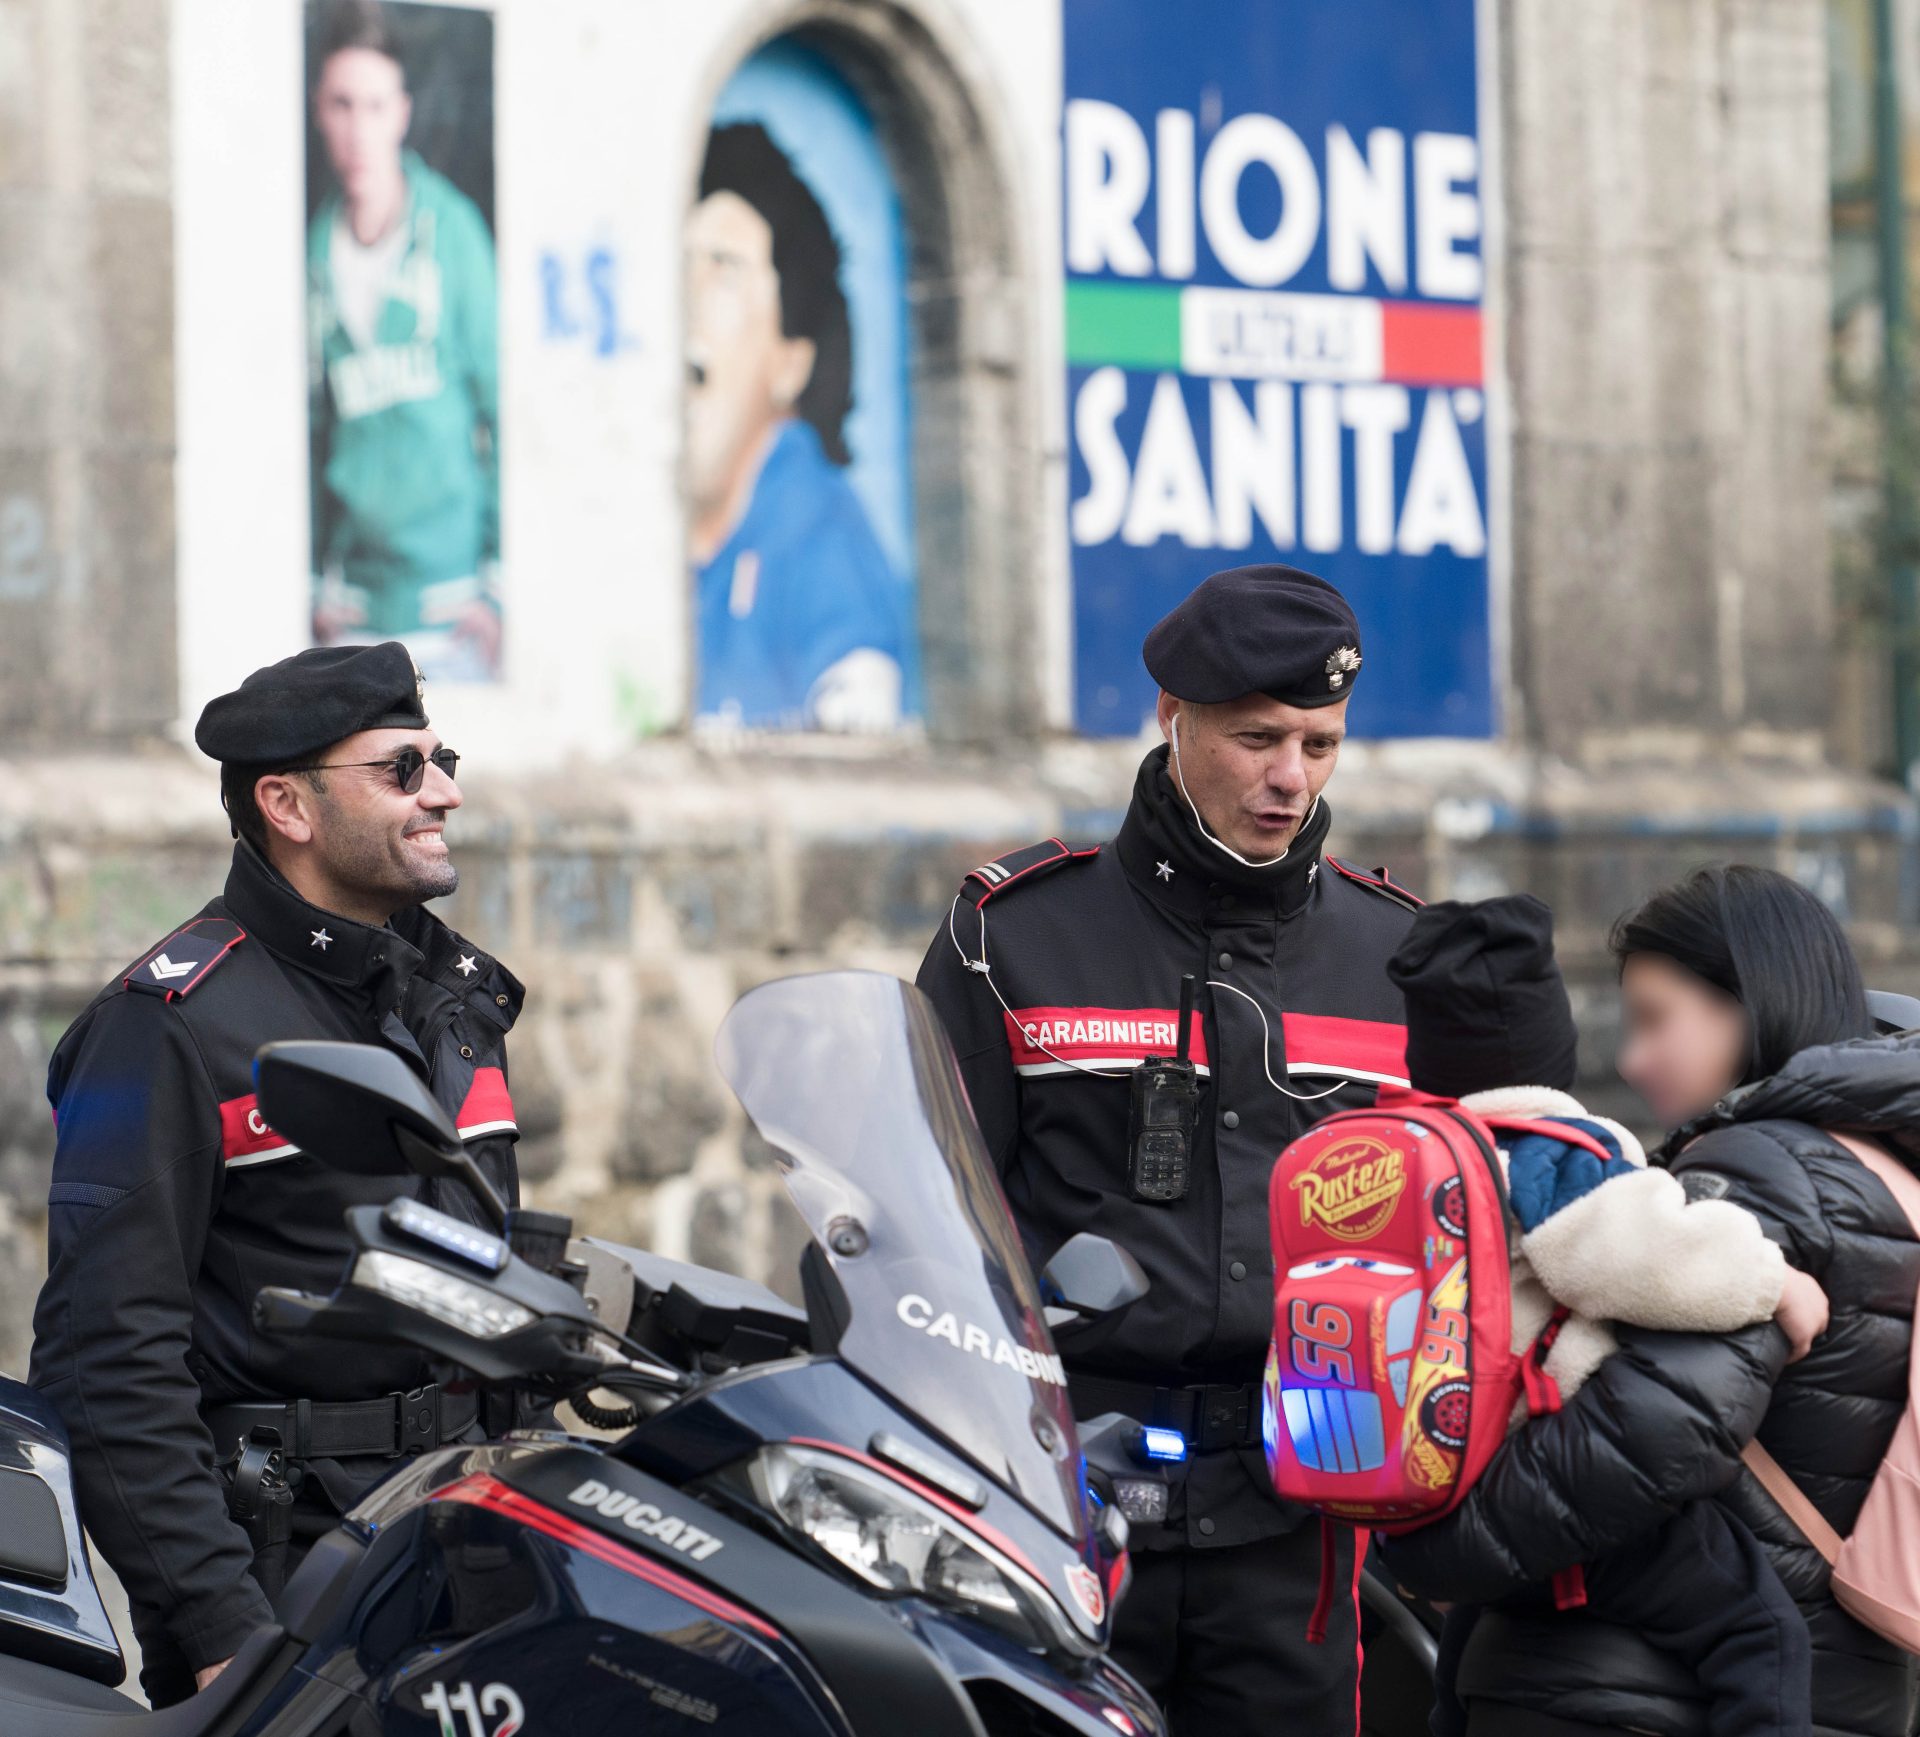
208,1453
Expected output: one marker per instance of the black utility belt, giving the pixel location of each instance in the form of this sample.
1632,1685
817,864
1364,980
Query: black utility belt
1211,1417
389,1427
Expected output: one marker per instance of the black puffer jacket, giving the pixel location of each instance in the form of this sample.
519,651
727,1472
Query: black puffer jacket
1643,1435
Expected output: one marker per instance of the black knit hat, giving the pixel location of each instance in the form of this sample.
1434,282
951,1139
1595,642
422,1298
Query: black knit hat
1486,1005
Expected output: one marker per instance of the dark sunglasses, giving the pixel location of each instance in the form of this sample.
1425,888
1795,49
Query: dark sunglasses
409,766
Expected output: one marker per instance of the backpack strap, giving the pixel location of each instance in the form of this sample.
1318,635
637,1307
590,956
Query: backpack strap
1901,1182
1543,1398
1568,1133
1904,1186
1792,1500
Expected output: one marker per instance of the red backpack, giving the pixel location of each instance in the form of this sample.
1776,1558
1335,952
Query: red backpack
1391,1375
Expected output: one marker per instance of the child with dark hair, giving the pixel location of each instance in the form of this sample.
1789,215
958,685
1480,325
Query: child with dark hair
1489,1024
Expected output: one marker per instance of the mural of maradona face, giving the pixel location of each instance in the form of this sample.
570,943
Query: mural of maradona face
799,615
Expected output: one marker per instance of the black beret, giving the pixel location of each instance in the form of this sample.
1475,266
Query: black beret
1486,1005
289,711
1257,630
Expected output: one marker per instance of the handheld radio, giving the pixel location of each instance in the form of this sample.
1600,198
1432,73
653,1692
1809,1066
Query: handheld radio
1162,1116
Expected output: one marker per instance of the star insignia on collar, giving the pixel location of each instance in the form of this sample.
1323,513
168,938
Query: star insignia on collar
321,939
466,966
1164,870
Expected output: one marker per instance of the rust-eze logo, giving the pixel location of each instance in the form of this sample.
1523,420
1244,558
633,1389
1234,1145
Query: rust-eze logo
1351,1189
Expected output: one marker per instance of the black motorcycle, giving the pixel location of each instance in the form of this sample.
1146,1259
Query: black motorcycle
873,1514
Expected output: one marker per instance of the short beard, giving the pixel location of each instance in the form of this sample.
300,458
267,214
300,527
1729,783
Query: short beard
378,864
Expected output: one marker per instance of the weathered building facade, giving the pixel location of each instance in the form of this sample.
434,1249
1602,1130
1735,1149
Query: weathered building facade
1660,626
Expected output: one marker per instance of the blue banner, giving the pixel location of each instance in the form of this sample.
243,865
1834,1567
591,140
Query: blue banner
1274,336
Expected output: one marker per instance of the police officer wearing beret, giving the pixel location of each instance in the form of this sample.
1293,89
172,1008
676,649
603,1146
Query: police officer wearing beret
173,1202
1059,972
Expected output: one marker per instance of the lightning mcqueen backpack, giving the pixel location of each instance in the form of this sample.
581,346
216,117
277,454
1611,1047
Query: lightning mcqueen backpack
1391,1374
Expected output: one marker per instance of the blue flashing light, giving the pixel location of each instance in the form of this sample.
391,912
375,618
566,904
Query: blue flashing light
445,1233
1163,1444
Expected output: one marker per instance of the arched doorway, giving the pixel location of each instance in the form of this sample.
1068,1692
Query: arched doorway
904,473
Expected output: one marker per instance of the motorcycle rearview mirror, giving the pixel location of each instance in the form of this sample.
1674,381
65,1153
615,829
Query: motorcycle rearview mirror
1090,1277
1893,1012
361,1109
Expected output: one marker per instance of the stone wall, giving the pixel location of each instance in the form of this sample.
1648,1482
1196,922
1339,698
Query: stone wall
1665,324
638,900
86,371
1661,305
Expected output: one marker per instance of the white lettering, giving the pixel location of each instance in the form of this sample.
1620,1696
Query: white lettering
1280,335
1295,480
1266,260
645,1518
366,381
1375,414
1252,467
1173,191
1098,513
1362,209
1169,485
1445,215
1441,506
1107,174
1320,467
974,1341
1366,209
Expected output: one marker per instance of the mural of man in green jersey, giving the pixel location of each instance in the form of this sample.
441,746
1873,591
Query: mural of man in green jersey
403,359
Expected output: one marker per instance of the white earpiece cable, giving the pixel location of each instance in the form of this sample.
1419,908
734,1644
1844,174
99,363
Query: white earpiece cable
1180,783
1266,1049
981,968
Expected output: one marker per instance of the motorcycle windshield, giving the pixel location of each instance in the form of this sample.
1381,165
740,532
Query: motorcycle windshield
850,1077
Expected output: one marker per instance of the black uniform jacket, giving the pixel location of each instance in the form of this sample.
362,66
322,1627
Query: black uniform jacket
173,1203
1668,1415
1087,950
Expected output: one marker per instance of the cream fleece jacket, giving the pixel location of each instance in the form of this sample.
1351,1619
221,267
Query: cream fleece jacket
1633,1250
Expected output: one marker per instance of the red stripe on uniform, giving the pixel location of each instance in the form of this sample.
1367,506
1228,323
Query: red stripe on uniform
487,1100
243,1130
1429,346
1368,1046
1099,1034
